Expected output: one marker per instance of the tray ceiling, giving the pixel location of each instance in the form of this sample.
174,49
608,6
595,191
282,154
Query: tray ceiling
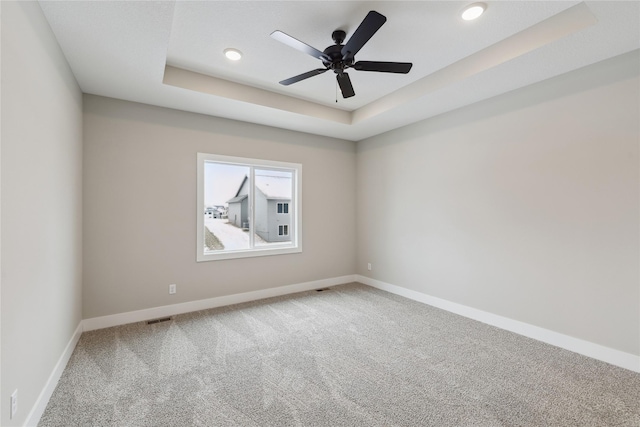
169,53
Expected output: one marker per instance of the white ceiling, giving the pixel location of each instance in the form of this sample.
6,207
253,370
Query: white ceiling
169,53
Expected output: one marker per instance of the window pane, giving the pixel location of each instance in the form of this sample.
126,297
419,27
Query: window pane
226,200
238,204
273,193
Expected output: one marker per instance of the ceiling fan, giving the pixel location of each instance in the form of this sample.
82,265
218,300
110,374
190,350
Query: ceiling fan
339,57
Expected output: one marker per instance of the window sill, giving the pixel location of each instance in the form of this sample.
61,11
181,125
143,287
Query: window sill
280,250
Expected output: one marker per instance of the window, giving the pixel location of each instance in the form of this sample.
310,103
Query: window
251,207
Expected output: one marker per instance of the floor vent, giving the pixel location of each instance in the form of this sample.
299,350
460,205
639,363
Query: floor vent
323,289
154,321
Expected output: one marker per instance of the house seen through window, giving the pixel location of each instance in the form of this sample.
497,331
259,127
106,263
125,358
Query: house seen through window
247,207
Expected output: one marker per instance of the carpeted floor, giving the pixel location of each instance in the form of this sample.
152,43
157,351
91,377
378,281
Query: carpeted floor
349,356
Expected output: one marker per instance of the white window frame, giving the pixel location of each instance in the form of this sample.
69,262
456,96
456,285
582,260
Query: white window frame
295,226
284,228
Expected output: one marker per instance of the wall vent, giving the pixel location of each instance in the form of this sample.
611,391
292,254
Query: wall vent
154,321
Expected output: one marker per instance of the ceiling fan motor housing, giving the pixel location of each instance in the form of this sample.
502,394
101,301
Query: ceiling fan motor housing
337,63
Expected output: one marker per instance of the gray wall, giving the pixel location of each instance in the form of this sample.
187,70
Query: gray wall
261,217
41,205
238,212
525,206
276,219
137,156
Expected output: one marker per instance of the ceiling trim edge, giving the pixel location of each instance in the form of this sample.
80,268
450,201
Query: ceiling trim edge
556,27
203,83
567,22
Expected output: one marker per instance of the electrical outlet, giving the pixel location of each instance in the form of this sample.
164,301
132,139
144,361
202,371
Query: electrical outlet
14,404
172,289
369,266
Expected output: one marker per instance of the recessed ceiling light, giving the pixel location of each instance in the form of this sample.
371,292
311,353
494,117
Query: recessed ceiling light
233,54
473,11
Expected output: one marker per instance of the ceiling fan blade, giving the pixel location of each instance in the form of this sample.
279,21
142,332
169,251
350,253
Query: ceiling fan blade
383,67
298,45
371,23
345,85
303,76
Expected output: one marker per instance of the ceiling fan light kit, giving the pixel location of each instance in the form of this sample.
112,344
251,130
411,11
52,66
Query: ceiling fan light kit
338,57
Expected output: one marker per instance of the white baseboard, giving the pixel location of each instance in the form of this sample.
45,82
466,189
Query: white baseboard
43,399
187,307
586,348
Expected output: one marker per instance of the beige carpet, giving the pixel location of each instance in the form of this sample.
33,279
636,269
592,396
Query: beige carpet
350,356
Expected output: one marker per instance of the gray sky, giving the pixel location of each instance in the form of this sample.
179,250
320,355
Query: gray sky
221,181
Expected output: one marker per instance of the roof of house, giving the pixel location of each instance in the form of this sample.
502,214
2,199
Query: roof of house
274,187
246,177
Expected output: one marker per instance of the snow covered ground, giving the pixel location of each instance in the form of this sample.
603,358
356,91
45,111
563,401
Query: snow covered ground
229,235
